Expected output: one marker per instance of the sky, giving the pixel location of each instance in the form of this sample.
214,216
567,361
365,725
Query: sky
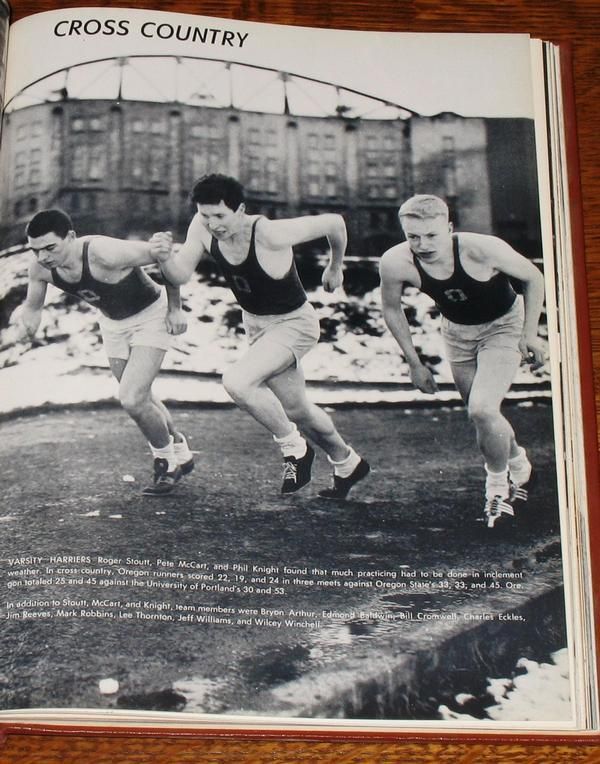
469,74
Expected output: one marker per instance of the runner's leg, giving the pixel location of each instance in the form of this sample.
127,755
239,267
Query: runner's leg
348,468
496,369
289,387
136,375
246,382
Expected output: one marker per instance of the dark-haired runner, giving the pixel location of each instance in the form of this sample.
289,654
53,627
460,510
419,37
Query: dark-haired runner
136,323
256,258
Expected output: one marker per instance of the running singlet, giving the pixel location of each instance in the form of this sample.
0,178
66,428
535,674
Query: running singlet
464,300
255,290
117,301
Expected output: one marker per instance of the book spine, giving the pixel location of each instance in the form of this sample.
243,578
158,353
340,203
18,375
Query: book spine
4,22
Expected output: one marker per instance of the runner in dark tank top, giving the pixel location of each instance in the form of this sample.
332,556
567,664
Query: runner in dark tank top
487,331
255,290
466,300
125,298
281,326
135,323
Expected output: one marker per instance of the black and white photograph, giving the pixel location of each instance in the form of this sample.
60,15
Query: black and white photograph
283,435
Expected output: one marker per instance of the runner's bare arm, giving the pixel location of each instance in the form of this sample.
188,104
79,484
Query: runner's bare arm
178,267
281,234
504,258
120,254
28,317
176,319
393,277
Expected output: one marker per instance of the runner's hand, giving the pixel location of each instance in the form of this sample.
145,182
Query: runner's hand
533,352
332,278
161,246
423,379
24,323
176,321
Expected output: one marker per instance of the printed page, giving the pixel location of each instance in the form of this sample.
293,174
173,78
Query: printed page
4,20
323,505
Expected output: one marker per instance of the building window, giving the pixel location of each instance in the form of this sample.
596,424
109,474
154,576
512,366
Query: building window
449,165
78,162
158,166
97,168
77,124
199,164
96,124
19,178
35,164
254,164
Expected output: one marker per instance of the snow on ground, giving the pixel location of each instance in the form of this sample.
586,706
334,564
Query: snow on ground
58,367
542,693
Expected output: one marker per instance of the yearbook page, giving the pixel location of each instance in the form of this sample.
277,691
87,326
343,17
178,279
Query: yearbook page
4,19
283,411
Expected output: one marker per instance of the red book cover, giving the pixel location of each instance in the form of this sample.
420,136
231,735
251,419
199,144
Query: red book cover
295,362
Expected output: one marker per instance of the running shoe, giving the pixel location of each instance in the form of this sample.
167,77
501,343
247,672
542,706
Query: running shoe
497,509
184,456
519,494
297,472
164,481
342,485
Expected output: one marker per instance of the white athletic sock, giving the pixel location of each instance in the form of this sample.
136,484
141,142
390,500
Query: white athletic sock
519,467
167,452
292,444
496,483
347,466
182,450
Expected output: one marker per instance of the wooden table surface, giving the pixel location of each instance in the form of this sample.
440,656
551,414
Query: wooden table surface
571,21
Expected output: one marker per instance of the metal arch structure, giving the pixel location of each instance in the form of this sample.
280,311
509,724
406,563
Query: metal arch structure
343,102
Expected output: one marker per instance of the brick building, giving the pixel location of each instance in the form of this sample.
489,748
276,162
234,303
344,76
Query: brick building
124,167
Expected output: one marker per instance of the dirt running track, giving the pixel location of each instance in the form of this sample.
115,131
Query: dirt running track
390,633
